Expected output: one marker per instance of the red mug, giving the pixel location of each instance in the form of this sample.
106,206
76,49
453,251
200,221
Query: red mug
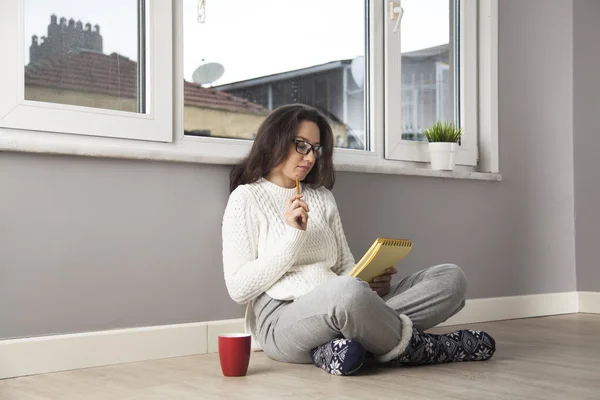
234,353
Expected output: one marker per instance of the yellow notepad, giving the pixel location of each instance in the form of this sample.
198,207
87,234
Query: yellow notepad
383,254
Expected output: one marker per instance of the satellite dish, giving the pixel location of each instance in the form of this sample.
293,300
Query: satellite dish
208,73
357,68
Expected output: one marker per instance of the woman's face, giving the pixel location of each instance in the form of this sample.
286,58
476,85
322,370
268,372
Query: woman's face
298,165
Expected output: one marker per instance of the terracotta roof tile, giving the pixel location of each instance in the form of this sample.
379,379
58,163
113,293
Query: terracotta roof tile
196,95
85,71
117,76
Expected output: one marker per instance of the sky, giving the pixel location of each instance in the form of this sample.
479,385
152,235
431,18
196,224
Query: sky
250,38
117,20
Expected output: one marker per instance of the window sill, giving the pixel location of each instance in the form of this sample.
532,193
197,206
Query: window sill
206,151
417,171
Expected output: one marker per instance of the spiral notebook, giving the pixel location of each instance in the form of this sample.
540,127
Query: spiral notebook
383,254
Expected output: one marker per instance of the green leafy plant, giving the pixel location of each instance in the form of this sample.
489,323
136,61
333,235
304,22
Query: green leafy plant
443,132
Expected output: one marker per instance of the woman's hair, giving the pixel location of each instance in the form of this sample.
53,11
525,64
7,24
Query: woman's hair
273,142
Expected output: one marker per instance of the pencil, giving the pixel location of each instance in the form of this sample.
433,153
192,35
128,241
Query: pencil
297,187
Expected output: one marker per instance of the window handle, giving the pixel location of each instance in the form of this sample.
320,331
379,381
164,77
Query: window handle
201,11
397,12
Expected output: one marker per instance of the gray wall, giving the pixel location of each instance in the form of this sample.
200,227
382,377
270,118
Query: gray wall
90,244
586,114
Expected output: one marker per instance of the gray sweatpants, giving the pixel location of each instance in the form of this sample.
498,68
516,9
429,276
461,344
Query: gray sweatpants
344,306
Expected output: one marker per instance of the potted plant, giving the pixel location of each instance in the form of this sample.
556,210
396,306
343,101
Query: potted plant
443,138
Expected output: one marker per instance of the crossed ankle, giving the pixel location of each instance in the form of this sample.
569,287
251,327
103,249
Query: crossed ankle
339,356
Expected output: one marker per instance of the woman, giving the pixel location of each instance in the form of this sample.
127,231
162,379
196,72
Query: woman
285,255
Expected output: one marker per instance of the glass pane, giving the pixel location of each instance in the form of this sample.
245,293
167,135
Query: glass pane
83,53
249,57
427,68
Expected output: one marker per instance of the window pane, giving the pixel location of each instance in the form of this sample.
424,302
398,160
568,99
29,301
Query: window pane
427,68
83,53
248,58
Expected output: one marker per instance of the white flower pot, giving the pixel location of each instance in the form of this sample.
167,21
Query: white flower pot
443,155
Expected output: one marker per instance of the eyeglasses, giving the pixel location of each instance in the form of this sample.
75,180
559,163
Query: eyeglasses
303,147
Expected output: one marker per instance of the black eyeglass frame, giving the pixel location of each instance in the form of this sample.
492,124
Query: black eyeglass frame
316,149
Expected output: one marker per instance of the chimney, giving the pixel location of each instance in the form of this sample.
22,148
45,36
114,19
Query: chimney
65,36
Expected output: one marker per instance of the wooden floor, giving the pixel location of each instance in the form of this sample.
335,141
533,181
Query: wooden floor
541,358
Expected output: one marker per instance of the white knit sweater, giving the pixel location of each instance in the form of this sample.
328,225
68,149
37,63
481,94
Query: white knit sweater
261,253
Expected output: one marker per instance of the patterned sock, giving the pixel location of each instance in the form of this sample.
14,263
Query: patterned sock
339,356
463,345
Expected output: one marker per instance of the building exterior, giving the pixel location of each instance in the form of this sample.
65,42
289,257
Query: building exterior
62,37
328,87
68,66
331,87
426,90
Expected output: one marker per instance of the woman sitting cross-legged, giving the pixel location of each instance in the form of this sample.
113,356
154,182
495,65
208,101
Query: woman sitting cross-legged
286,257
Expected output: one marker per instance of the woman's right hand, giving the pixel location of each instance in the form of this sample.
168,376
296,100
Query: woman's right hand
296,212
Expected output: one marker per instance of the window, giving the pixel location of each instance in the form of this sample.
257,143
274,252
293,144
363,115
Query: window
380,86
192,80
87,68
428,63
425,45
239,65
69,63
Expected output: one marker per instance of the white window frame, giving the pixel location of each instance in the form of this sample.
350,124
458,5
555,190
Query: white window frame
405,150
154,125
102,133
479,95
388,152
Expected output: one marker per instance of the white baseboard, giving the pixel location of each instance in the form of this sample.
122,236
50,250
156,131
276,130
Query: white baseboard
589,302
28,356
514,307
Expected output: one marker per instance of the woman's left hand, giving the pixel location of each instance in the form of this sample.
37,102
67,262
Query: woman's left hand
382,283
